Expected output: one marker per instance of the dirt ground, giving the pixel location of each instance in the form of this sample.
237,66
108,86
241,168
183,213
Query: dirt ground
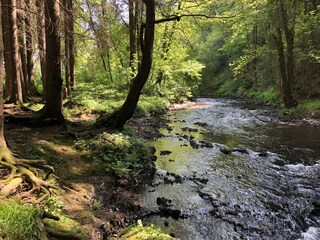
102,204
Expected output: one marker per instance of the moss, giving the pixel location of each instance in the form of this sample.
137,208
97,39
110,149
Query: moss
139,232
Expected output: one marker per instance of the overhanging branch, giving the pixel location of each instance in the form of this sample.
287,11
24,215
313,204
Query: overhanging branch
178,17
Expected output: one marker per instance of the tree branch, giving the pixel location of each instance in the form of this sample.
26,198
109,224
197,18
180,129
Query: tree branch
178,17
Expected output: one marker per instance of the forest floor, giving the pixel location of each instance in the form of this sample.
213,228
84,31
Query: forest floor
102,204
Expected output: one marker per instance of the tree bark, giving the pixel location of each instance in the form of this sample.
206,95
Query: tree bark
16,90
120,117
71,45
288,28
42,41
132,34
29,48
22,50
66,47
7,47
52,111
2,140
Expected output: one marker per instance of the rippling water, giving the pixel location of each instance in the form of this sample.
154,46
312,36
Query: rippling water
265,185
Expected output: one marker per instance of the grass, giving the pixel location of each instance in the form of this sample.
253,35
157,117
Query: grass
19,222
306,109
96,98
140,232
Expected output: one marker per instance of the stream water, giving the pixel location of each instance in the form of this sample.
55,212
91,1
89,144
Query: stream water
227,170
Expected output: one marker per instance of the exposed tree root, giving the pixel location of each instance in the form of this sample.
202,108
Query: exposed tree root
28,180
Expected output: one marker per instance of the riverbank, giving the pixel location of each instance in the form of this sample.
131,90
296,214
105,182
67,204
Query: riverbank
100,174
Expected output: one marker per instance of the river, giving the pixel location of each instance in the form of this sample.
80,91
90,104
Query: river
227,170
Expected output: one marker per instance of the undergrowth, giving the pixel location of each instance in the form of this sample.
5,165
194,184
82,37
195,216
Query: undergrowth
97,98
306,109
117,153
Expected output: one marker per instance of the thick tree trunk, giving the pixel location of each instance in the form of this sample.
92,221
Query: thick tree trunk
126,111
52,110
7,47
16,91
42,41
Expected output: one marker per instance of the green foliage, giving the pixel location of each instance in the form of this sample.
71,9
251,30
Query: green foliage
140,232
54,206
306,109
93,98
117,153
270,96
19,222
151,105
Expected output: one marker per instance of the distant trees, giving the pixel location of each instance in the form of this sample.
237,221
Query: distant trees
267,50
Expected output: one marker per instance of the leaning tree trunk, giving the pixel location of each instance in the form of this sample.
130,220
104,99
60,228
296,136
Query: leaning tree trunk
121,116
52,111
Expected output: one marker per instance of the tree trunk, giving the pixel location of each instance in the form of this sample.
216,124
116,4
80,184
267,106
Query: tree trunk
121,116
288,27
40,4
66,47
133,34
93,28
29,48
71,45
52,110
7,47
22,50
2,140
16,91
